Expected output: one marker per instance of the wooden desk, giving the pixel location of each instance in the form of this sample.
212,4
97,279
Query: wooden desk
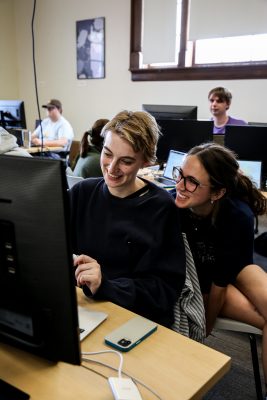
37,149
173,365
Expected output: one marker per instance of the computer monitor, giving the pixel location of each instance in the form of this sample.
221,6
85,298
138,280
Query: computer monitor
38,306
171,111
182,135
175,159
249,143
12,114
252,169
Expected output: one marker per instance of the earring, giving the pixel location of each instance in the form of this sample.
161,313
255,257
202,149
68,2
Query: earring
212,201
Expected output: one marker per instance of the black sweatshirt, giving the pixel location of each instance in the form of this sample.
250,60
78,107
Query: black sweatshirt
137,242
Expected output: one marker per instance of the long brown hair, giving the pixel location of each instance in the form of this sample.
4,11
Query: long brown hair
93,138
223,169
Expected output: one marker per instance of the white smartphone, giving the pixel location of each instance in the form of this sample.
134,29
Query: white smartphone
128,335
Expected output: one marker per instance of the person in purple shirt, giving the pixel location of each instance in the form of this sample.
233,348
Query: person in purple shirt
220,99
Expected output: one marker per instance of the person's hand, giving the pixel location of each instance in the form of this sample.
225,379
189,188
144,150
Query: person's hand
88,272
36,141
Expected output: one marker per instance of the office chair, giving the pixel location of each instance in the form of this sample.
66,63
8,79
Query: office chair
37,123
73,153
220,324
228,324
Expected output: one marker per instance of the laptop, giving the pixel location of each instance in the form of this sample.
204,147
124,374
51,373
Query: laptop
252,169
89,321
175,159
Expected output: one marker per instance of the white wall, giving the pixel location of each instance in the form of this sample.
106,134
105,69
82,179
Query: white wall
84,101
8,60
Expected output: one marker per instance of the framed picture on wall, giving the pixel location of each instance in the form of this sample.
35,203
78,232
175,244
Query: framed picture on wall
90,48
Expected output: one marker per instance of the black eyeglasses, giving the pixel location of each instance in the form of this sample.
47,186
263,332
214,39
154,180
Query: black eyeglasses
190,183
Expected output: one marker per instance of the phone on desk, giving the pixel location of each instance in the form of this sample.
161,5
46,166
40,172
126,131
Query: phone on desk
130,334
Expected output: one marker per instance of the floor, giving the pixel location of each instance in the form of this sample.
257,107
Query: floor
238,384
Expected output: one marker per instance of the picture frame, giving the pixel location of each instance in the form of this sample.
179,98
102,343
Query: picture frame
90,48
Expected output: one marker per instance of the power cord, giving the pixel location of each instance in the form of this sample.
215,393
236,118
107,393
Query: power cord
93,353
35,75
119,370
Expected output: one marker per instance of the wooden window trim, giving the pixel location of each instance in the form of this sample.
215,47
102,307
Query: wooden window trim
203,72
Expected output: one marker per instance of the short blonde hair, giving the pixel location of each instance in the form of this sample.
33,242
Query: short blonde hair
138,128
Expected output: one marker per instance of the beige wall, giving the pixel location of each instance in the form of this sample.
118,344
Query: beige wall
8,55
86,100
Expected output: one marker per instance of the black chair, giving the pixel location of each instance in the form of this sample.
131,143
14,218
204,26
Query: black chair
228,324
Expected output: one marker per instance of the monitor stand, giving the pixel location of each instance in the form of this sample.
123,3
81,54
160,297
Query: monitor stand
9,392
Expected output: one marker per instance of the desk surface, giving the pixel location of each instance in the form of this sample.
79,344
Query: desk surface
37,149
173,365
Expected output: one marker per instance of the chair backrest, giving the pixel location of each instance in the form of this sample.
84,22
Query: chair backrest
74,151
37,123
228,324
189,311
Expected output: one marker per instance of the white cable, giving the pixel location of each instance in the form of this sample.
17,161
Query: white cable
92,353
136,380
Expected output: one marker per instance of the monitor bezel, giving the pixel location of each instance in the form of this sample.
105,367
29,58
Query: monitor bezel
182,143
249,142
165,111
17,109
34,203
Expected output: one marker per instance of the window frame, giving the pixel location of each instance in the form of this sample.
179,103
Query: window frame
246,70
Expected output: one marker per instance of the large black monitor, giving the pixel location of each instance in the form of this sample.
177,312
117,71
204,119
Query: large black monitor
171,111
12,114
182,135
38,307
249,143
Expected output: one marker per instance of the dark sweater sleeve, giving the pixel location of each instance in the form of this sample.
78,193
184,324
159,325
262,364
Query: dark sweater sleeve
235,246
151,282
157,280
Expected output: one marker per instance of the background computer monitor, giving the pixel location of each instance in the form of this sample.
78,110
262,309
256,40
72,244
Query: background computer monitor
252,169
12,114
38,307
249,143
182,135
171,111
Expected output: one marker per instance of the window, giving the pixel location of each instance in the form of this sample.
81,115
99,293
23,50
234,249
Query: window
195,57
235,49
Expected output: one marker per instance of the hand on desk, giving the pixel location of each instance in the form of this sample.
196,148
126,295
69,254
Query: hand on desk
36,141
88,272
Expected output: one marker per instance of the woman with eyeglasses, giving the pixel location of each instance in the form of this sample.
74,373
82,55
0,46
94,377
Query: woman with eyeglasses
217,205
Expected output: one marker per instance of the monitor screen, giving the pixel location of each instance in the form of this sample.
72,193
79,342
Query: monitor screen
249,143
175,159
38,307
182,135
171,111
252,169
12,114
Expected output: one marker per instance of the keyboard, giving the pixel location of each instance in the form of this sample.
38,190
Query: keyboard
165,181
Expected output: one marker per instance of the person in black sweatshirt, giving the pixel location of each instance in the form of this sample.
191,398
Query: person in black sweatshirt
125,230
